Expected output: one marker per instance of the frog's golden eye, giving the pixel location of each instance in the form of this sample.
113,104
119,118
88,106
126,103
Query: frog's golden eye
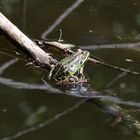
71,79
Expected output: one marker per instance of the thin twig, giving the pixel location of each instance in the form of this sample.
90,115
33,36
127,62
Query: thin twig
134,46
114,67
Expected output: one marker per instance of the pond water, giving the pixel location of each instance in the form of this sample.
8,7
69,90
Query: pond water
29,110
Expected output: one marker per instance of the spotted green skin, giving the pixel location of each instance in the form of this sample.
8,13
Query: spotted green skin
70,67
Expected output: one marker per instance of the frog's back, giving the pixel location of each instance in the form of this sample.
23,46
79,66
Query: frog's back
60,72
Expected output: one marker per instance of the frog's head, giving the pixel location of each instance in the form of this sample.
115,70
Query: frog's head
85,53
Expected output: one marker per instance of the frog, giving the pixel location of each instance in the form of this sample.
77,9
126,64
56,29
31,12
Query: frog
70,69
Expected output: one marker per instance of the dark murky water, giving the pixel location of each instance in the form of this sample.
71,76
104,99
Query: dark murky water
92,22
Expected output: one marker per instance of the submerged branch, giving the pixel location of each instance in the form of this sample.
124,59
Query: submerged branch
119,114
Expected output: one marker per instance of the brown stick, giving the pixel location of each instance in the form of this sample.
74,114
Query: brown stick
37,53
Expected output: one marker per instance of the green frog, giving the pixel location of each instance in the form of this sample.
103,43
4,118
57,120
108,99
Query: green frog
70,69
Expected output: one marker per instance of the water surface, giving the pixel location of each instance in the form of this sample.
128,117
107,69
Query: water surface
91,23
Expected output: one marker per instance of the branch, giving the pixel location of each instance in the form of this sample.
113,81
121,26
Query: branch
62,46
38,55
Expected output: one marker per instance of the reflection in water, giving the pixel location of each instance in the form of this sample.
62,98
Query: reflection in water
6,65
51,120
138,19
106,103
21,85
24,3
7,5
99,9
133,46
81,90
61,18
115,79
72,92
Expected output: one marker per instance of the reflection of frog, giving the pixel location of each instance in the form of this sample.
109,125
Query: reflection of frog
70,69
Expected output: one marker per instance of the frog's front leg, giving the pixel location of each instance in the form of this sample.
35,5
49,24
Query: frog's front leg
81,70
50,73
80,74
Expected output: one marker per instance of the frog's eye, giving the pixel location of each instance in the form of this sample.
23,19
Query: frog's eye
81,62
71,79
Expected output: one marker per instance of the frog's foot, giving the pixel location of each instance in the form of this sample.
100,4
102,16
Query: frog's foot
68,81
76,80
64,82
71,80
